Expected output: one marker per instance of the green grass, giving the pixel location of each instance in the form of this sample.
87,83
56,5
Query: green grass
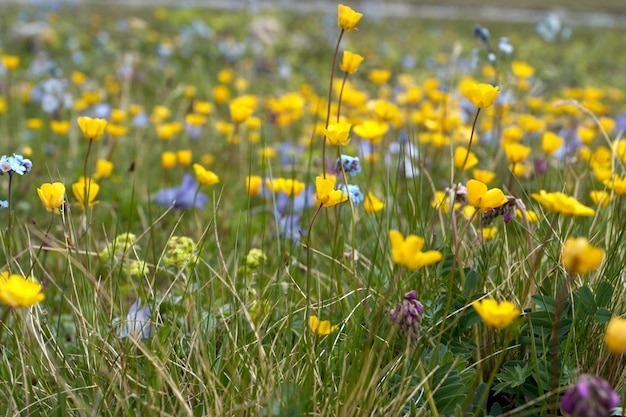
230,331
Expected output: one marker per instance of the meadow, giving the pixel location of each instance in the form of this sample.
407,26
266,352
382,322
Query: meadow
210,213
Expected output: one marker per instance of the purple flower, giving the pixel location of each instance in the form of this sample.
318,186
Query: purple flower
591,396
407,315
137,322
185,196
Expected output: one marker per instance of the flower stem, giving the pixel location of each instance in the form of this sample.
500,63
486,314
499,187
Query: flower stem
43,241
343,84
330,96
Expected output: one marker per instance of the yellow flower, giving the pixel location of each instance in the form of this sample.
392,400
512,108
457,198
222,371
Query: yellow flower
372,204
326,193
494,314
482,95
59,127
221,93
615,336
371,130
338,133
10,62
350,62
116,131
267,152
489,233
159,114
241,108
522,69
52,196
292,187
118,115
482,198
408,252
516,152
560,203
531,215
168,130
441,201
321,328
348,18
92,128
379,76
225,76
184,157
460,154
483,176
34,124
579,256
204,176
202,107
88,188
617,184
601,198
17,291
253,185
168,160
550,142
104,168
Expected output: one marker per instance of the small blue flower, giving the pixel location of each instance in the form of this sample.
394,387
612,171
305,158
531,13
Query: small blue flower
137,322
354,193
4,204
351,165
183,196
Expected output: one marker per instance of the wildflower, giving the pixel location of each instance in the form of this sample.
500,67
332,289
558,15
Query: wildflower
488,233
255,259
601,198
591,396
184,196
615,336
550,142
137,322
167,130
407,315
482,198
347,18
483,176
168,160
15,164
202,108
379,76
184,157
348,164
241,108
205,176
408,252
92,128
326,193
34,123
17,291
52,196
85,192
530,215
10,62
253,185
104,168
292,187
117,248
353,191
617,184
495,314
372,204
321,328
60,127
482,95
116,131
338,133
221,93
579,256
180,251
522,69
560,203
372,130
350,62
516,152
462,155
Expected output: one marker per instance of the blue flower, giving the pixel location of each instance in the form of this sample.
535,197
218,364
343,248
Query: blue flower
4,204
137,322
354,193
185,196
15,164
351,165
